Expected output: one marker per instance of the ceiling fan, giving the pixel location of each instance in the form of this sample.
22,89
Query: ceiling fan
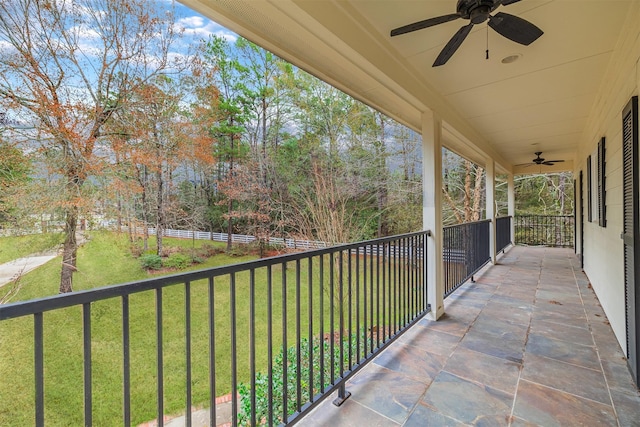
540,161
477,11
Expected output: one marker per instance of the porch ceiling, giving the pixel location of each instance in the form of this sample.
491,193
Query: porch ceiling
541,102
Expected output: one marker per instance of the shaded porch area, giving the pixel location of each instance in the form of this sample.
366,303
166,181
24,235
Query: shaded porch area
526,344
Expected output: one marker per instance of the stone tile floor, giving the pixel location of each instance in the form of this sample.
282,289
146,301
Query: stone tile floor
527,344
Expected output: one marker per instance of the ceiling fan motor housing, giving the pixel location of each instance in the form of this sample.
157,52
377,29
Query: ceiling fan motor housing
476,10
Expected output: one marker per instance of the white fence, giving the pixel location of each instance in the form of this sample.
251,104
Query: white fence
392,251
240,238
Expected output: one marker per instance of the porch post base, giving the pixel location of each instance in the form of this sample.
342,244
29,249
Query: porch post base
341,399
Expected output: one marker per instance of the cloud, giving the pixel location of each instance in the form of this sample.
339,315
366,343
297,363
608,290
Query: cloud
191,21
196,27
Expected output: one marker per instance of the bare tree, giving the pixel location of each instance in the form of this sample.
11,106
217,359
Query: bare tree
463,184
68,65
325,212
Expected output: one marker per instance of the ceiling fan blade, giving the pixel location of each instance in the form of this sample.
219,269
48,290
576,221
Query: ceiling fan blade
424,24
508,2
453,45
514,28
547,163
555,161
525,164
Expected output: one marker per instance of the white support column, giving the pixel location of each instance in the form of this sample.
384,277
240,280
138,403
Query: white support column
491,207
578,201
511,206
432,209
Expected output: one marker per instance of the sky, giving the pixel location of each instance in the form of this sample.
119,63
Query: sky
196,27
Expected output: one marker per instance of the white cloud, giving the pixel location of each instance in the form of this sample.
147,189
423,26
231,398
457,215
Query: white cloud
197,27
191,21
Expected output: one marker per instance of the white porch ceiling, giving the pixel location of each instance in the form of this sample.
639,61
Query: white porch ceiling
540,102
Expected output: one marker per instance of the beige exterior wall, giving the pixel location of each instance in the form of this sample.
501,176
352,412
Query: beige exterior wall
603,248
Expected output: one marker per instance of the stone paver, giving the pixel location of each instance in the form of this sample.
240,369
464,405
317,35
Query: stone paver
527,344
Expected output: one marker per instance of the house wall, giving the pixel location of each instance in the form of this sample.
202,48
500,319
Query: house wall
603,247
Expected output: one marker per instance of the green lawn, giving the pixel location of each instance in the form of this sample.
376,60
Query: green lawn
13,247
106,260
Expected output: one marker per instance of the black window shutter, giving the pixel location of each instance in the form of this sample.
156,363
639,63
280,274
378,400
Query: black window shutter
602,193
589,195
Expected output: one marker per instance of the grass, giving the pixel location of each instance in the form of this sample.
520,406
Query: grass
106,260
13,247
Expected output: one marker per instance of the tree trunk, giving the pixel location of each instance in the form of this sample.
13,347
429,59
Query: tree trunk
229,225
382,185
70,250
561,185
477,193
160,216
467,192
145,219
264,127
130,226
119,207
230,201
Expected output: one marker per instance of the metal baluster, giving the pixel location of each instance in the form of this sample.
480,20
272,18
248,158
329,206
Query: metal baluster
349,305
285,363
212,352
38,349
321,310
270,344
187,332
331,319
234,349
298,339
371,296
252,342
86,340
377,295
310,309
126,363
160,389
358,334
384,293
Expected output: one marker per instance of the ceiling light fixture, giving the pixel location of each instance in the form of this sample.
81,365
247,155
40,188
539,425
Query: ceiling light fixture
511,58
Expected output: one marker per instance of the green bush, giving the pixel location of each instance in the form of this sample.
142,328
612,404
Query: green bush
178,260
262,380
151,262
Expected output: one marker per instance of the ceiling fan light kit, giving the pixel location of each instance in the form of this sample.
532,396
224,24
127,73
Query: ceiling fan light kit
477,11
509,59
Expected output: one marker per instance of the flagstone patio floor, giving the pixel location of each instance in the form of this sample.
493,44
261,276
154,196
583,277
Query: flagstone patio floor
527,344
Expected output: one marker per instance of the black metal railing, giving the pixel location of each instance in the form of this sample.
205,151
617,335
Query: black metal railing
503,233
544,230
276,335
465,250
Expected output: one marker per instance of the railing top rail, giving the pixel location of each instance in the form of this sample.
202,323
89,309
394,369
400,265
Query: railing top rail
482,221
24,308
544,216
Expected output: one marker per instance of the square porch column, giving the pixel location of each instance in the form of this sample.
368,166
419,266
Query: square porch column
432,209
491,207
511,206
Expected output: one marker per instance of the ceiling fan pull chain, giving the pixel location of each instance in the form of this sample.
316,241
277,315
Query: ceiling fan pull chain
487,42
